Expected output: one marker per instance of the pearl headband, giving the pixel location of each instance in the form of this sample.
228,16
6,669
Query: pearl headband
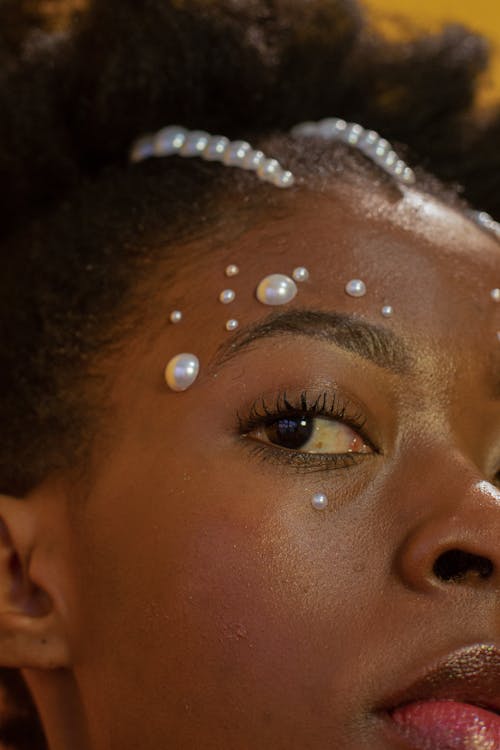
175,140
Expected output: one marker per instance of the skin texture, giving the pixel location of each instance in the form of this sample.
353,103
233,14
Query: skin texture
194,598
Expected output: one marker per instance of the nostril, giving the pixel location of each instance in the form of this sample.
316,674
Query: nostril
456,565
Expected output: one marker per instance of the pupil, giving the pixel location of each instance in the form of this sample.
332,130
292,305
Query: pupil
290,432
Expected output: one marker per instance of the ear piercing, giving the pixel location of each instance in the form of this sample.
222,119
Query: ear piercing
182,371
319,501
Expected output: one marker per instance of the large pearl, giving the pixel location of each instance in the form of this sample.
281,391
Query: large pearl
276,289
182,371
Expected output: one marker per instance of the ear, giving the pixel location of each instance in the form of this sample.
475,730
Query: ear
32,633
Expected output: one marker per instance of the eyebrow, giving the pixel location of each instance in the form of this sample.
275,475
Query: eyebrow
367,340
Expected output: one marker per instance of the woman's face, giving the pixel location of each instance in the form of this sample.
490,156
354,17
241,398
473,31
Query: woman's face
209,603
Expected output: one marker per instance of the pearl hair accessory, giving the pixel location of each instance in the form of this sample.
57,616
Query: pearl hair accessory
276,289
175,140
370,143
182,371
319,501
232,325
387,311
355,288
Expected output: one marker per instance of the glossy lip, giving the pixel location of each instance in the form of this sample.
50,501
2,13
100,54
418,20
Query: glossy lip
470,675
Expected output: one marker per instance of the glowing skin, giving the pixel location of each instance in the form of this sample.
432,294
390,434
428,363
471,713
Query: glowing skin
203,601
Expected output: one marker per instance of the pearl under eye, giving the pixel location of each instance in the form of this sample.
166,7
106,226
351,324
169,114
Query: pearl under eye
311,434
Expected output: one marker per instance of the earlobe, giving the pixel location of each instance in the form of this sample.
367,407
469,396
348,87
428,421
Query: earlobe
31,629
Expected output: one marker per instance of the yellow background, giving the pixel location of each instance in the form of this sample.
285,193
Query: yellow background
480,15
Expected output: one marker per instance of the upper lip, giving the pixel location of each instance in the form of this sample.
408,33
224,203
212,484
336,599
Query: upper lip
469,675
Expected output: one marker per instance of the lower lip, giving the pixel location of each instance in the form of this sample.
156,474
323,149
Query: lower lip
448,724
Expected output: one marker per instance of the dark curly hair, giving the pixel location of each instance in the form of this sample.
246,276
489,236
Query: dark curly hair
80,226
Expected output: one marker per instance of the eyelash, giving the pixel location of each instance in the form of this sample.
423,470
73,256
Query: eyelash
331,406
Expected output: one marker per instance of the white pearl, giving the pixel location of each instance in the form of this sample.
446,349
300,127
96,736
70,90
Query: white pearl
382,147
408,176
235,153
182,371
319,501
355,288
495,295
169,140
252,159
195,143
215,148
305,128
232,325
267,169
175,316
284,179
353,134
276,289
387,311
142,149
232,270
300,273
227,296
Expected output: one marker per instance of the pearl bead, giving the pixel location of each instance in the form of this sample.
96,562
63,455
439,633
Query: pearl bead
267,169
276,289
235,153
300,274
227,296
215,148
382,147
232,325
182,371
142,149
252,159
169,140
232,270
495,295
283,179
353,134
355,288
195,143
175,316
387,311
319,501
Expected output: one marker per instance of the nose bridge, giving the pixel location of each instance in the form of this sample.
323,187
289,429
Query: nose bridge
452,519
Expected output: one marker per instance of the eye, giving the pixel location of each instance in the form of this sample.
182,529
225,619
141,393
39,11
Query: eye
310,434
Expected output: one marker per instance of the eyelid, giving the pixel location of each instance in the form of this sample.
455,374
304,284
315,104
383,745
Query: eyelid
328,405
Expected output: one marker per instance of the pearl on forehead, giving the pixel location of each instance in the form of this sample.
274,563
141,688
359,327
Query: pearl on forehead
175,316
355,288
182,371
232,270
276,289
232,325
495,295
319,501
387,311
227,296
300,274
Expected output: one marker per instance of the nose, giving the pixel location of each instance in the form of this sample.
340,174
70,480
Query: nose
455,539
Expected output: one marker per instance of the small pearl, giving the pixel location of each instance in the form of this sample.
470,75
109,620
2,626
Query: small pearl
215,148
252,159
232,325
355,288
300,274
319,501
235,153
169,140
387,311
195,143
232,270
353,133
142,149
276,289
227,296
268,169
175,316
495,295
182,371
284,179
